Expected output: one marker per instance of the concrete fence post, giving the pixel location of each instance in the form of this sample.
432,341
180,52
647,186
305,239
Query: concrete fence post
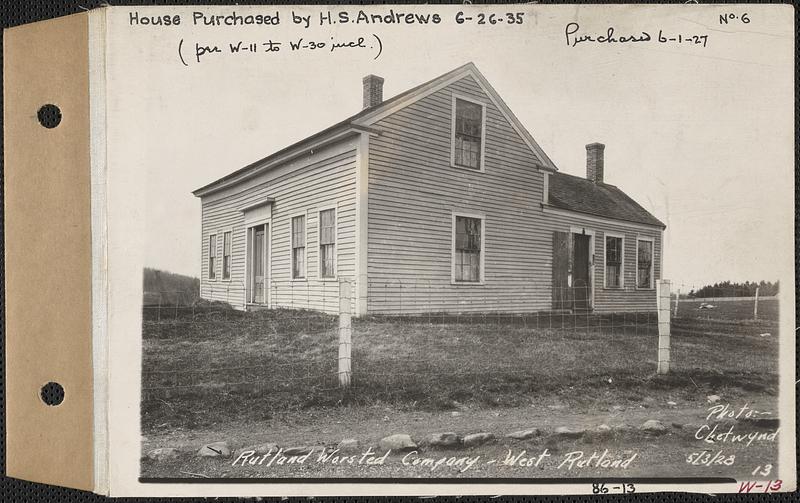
755,306
345,333
663,298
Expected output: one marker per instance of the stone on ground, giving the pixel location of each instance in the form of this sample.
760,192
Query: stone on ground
602,429
397,442
653,426
163,454
348,446
447,439
476,439
601,432
567,432
263,448
524,434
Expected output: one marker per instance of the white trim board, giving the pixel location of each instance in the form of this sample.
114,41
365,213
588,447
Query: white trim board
601,220
361,230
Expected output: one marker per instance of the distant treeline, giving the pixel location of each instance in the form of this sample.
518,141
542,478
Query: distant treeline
728,289
169,288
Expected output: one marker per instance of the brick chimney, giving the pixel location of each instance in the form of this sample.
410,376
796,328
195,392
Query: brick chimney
373,90
594,162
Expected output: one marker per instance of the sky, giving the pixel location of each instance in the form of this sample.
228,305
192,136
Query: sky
702,137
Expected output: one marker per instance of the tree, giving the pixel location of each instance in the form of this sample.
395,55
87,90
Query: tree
732,289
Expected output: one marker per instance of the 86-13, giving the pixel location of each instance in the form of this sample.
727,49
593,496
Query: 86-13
481,18
599,488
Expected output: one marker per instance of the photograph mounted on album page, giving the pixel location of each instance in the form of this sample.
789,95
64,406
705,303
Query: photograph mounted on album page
411,250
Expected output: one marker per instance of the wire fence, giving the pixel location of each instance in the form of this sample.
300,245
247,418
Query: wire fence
490,347
742,321
726,303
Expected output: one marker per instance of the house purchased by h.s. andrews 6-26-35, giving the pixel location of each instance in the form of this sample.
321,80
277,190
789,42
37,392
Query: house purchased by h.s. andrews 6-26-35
436,200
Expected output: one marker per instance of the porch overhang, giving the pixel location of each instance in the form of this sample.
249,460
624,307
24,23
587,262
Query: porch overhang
258,204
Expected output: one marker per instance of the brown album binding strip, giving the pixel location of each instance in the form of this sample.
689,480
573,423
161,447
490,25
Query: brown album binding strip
48,253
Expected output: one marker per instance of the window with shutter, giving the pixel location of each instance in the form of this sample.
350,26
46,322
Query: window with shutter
327,243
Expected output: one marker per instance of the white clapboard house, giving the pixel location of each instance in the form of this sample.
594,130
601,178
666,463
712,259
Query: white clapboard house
436,200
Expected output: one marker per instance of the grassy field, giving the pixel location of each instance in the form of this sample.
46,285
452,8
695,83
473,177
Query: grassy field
729,309
211,373
210,365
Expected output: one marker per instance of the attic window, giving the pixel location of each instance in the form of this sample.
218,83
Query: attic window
468,133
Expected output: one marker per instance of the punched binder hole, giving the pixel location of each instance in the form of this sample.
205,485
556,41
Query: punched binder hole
49,116
52,393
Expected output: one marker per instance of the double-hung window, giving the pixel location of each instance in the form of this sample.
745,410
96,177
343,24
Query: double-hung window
327,243
212,256
226,255
644,263
614,254
467,248
299,247
468,118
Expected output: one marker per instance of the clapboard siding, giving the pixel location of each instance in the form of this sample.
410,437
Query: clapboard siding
413,192
628,298
406,230
325,180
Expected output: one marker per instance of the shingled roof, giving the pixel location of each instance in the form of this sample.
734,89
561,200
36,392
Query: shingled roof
361,122
578,194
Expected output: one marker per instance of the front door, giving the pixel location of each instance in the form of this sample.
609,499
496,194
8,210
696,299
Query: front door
257,264
581,277
572,273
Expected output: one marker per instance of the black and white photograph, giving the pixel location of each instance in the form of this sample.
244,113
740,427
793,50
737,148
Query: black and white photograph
453,244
